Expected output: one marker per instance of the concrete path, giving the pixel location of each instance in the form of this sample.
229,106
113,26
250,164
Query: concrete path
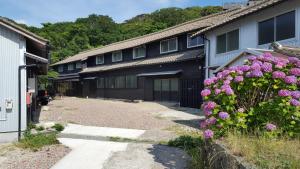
87,154
74,129
92,154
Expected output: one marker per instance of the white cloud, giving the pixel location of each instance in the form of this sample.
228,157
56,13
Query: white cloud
21,21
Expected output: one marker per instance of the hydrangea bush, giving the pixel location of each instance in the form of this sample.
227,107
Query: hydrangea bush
261,95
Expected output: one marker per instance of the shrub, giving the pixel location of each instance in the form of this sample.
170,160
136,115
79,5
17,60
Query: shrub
58,127
263,94
40,128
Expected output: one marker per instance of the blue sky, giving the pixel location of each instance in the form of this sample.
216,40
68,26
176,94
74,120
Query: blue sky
34,12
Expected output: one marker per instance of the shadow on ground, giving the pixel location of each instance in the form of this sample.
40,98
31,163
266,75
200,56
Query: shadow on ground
169,157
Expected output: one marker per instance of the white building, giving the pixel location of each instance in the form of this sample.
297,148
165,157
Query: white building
255,26
18,48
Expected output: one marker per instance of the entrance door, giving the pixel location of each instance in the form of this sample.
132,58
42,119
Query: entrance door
166,89
190,93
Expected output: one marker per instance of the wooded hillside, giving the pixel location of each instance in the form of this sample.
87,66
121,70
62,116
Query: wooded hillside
69,38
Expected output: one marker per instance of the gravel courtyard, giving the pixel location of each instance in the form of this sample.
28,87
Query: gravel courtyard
107,113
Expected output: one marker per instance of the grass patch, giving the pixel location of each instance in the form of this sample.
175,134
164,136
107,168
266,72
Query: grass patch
193,146
35,142
58,127
183,131
265,152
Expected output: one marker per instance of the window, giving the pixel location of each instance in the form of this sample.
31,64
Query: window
100,83
60,68
120,82
194,41
78,65
278,28
168,45
131,81
139,52
99,60
70,67
174,85
110,82
117,56
228,42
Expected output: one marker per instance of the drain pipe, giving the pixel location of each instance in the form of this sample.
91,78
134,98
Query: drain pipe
207,56
20,100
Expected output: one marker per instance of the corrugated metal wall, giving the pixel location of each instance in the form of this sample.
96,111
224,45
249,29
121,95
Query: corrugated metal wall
12,48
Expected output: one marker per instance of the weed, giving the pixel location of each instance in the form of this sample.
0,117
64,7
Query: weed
34,142
40,128
58,127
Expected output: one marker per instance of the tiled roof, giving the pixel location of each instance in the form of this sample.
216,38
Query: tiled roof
193,25
175,57
286,50
18,29
241,13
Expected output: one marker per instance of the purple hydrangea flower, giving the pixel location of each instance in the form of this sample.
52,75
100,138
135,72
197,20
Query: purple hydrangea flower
294,102
217,91
255,66
211,121
267,67
295,94
290,79
295,71
252,58
284,93
245,68
210,105
224,115
226,82
207,113
238,79
229,91
203,124
278,75
293,59
208,82
205,92
270,127
256,73
208,134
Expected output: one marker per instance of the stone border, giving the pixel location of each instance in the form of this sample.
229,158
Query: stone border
218,157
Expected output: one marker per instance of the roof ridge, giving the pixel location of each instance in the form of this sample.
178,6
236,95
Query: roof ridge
250,6
166,29
14,25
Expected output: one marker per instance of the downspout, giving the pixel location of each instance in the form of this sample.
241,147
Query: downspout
207,56
20,100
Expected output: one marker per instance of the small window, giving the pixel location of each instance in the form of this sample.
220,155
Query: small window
70,67
99,60
78,65
228,42
285,26
278,28
266,31
168,45
100,83
139,52
60,68
131,81
120,82
117,56
194,41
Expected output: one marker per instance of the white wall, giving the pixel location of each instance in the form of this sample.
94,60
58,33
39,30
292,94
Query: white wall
248,27
12,48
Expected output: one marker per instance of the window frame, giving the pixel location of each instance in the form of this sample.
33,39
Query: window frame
169,51
99,63
275,24
70,64
112,56
187,41
134,54
78,67
226,41
60,68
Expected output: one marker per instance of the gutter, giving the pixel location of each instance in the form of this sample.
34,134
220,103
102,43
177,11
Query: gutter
207,57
